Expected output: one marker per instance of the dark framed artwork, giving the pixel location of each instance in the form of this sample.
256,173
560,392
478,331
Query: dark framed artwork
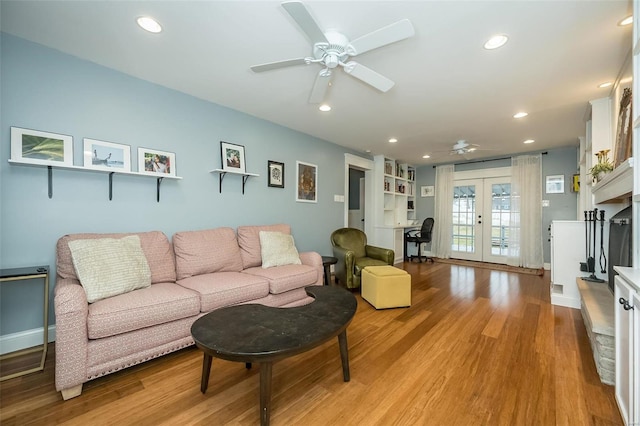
232,157
306,182
275,171
624,130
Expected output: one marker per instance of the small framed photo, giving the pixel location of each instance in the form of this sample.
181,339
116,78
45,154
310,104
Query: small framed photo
275,171
555,184
109,156
34,146
306,182
427,191
154,162
232,157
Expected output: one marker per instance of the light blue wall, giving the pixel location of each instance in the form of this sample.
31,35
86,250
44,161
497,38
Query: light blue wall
561,161
47,90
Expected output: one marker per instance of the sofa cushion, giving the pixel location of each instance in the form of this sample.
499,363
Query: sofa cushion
226,288
249,242
157,304
206,251
287,277
107,267
278,249
155,245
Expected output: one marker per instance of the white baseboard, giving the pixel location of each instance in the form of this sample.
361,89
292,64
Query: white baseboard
547,266
25,339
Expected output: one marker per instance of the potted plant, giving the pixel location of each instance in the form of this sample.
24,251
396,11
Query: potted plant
602,167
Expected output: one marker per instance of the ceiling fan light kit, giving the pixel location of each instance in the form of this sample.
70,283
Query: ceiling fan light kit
332,49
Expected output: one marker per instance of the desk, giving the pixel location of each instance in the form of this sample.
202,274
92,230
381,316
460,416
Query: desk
29,273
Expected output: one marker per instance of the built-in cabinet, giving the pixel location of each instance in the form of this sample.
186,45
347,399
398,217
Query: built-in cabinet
627,284
394,203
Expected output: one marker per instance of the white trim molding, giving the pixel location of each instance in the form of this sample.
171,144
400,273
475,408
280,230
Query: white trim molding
25,339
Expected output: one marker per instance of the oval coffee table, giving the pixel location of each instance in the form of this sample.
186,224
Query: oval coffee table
257,333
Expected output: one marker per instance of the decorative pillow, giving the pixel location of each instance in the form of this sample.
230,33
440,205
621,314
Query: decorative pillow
278,249
108,266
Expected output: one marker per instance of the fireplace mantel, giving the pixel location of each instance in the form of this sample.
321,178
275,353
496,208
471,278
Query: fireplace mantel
616,186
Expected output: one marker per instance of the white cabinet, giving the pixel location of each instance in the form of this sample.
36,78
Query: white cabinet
567,251
627,301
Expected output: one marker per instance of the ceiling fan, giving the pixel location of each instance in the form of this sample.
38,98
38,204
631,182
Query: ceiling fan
463,147
332,48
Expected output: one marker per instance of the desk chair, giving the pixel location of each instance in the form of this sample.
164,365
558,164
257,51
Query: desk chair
419,237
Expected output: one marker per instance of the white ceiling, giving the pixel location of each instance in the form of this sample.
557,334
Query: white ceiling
447,86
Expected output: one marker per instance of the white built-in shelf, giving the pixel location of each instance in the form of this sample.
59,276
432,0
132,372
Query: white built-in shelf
50,168
222,173
615,186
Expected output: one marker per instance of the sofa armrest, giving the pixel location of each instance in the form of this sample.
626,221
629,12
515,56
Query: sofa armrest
72,309
313,259
386,255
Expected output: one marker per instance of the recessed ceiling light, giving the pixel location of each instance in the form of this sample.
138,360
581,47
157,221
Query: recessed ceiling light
603,85
426,156
496,41
529,141
520,114
149,24
393,140
626,21
324,108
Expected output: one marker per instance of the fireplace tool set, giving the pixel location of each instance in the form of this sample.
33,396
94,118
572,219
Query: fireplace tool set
590,236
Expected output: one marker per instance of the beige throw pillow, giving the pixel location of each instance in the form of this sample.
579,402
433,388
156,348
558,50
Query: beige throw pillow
278,249
110,266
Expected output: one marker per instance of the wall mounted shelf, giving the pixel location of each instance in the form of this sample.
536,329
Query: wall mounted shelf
86,169
222,173
616,185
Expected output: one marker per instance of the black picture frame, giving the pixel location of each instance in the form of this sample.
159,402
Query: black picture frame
275,174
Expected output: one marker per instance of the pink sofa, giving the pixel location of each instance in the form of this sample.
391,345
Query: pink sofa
201,271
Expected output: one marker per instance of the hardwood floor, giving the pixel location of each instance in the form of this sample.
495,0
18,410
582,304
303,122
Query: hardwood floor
477,347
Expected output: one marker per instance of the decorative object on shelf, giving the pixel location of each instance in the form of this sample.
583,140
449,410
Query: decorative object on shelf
306,182
427,191
232,156
37,147
555,184
157,163
107,156
275,172
624,131
602,167
410,205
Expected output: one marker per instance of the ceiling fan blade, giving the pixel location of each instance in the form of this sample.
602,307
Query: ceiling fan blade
280,64
386,35
320,86
305,21
368,76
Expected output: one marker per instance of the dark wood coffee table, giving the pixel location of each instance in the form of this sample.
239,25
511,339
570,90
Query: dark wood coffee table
257,333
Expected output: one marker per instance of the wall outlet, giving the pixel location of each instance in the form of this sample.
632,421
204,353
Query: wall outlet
338,198
545,203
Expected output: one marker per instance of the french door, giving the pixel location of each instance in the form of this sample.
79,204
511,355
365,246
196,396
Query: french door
480,222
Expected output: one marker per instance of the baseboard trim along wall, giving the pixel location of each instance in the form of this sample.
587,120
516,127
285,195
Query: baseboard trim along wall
25,339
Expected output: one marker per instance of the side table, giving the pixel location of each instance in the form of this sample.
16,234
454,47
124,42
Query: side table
28,273
327,261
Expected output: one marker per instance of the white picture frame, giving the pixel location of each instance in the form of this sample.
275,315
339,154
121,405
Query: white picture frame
306,182
427,191
555,184
101,155
38,147
156,163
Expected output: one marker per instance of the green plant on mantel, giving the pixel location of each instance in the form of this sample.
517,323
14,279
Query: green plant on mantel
602,167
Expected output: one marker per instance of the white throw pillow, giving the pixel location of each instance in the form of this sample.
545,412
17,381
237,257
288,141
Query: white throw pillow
110,266
278,249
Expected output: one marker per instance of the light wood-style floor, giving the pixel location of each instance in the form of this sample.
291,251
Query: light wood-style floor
477,347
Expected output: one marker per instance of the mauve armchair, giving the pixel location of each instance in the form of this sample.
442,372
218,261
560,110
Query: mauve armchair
354,254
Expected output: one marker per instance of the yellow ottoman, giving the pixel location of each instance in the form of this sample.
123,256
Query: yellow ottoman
386,287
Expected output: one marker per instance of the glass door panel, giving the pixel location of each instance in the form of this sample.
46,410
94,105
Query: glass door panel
498,195
466,241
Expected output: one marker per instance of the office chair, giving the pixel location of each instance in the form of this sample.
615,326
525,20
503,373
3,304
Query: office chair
419,237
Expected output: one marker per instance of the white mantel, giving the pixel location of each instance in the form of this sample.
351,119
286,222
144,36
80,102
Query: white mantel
615,186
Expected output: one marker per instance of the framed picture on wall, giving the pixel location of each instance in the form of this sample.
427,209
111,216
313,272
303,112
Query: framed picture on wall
427,191
275,171
555,184
232,157
107,156
154,162
37,147
306,182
